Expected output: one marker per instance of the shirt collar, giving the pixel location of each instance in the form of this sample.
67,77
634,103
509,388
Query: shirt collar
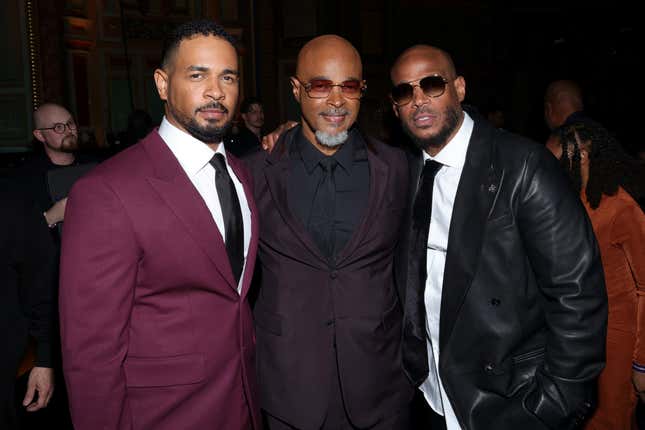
192,154
454,153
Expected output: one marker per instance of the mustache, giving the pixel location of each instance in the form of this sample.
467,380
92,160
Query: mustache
335,111
214,105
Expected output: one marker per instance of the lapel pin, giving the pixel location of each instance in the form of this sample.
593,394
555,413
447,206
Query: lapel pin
492,188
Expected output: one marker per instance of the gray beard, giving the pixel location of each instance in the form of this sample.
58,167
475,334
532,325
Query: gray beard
331,140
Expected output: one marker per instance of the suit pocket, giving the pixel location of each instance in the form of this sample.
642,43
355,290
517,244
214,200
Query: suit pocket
164,371
268,321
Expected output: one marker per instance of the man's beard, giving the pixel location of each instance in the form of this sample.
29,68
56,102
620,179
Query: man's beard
332,140
208,133
68,145
451,115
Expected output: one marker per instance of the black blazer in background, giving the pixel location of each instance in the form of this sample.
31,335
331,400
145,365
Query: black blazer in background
27,260
524,307
309,314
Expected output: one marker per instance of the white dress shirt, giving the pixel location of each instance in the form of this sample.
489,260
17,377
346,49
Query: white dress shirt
194,157
453,157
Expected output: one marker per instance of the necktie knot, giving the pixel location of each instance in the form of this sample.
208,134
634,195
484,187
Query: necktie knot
219,163
430,169
328,164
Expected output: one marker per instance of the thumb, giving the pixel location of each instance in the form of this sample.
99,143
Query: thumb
29,395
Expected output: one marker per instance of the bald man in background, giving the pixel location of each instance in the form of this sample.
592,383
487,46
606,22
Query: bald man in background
328,317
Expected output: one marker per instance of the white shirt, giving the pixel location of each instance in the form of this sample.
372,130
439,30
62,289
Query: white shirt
453,157
194,157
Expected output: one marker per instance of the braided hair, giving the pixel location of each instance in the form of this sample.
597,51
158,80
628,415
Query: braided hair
610,166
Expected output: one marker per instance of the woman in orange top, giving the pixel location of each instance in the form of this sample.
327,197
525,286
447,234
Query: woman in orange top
608,181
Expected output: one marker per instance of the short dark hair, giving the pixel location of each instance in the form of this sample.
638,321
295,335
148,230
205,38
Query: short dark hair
246,104
187,30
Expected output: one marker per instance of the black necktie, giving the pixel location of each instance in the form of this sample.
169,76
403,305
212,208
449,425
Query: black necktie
415,353
233,225
323,209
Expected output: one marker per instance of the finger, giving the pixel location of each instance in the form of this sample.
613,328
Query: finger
29,395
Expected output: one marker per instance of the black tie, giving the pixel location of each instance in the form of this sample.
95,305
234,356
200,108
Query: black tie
323,210
415,353
233,225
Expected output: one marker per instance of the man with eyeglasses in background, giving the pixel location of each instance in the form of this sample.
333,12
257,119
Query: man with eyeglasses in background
55,128
328,317
506,309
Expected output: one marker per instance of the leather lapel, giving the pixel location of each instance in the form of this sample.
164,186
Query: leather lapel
379,178
477,190
174,187
240,172
277,175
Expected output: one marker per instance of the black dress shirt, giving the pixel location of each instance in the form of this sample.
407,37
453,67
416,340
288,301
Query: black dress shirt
351,177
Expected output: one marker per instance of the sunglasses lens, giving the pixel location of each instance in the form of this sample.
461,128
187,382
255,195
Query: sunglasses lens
351,88
402,93
320,87
432,86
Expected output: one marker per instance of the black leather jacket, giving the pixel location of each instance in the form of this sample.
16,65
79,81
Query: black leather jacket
524,307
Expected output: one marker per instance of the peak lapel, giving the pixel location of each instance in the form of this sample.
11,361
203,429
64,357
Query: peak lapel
179,193
472,206
379,177
277,176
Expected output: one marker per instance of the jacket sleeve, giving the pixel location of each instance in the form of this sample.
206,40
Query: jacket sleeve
39,269
564,255
99,261
628,233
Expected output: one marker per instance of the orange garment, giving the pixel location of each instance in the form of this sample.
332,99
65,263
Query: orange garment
619,225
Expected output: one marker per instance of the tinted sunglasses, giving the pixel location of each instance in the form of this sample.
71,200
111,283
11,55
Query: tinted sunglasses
321,88
432,86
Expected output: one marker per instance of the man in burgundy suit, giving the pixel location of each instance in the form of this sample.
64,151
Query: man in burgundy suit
332,204
159,247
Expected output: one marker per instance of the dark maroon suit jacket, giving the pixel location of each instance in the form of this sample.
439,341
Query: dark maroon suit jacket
312,315
154,333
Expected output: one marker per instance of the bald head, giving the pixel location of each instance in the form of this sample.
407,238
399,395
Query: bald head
327,48
422,54
562,98
49,112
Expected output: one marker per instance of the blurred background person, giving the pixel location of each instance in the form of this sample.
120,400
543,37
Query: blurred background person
248,138
608,181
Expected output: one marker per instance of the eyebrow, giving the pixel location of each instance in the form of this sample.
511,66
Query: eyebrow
326,78
206,69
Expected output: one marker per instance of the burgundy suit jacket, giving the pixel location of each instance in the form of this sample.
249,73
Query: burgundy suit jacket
154,333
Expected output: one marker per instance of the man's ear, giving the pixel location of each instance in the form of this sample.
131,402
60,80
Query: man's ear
38,135
295,88
161,80
460,87
395,108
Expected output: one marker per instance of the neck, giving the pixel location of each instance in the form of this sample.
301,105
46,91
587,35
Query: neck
213,146
60,158
584,176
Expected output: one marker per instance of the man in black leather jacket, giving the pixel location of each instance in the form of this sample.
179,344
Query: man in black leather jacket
505,303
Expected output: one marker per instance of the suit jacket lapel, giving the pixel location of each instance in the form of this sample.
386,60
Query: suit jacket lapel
178,192
277,175
253,243
476,192
379,178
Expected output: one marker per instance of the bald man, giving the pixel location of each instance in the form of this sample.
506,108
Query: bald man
328,316
506,308
56,129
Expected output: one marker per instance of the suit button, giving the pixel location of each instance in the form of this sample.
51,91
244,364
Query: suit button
333,274
329,322
495,302
489,367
